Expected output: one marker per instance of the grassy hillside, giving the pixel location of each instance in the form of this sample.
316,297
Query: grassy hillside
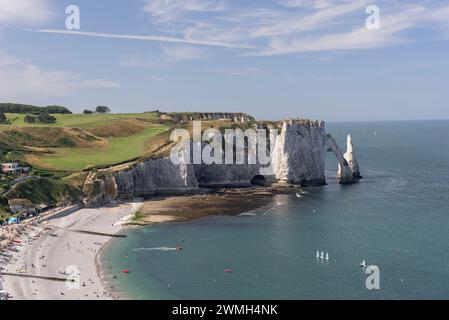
77,120
116,150
61,154
77,142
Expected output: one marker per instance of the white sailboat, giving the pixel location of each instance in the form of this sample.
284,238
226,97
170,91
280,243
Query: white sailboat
327,256
363,264
322,255
317,254
298,195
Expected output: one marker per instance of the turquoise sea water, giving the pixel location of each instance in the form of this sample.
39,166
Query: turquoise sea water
396,218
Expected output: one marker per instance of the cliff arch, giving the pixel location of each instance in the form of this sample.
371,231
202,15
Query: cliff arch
344,172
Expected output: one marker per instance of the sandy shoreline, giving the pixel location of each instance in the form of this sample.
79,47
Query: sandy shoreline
73,242
58,248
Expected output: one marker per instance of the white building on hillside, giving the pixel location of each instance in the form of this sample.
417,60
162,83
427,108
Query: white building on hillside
12,167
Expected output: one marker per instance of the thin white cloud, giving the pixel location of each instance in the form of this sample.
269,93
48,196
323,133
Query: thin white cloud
20,78
157,79
237,72
360,38
291,26
167,57
176,54
317,20
297,26
25,12
315,4
140,37
170,9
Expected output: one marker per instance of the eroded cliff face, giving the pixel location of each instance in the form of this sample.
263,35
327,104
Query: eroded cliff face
99,190
298,157
299,153
226,175
155,176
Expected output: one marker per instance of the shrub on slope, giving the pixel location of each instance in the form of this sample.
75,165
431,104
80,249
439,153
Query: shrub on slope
44,190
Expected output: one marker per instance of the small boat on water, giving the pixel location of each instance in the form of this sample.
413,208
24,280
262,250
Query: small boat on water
322,255
227,270
363,264
126,271
317,254
327,256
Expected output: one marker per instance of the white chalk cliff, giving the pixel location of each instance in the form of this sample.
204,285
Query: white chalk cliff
298,157
299,153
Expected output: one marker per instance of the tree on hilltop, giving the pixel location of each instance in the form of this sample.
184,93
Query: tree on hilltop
25,108
29,119
46,118
42,118
102,109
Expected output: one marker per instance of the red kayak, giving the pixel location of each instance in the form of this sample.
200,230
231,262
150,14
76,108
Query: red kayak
126,271
228,271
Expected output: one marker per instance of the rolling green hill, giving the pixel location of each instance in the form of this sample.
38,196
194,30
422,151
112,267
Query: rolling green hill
116,150
77,142
63,154
77,120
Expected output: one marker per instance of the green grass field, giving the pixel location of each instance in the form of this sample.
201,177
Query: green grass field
117,151
124,140
77,120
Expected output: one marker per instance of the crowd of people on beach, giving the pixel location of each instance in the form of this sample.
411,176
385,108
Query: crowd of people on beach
15,237
11,238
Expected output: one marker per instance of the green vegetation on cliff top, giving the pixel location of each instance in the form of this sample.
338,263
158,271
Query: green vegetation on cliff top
78,141
82,121
61,152
116,151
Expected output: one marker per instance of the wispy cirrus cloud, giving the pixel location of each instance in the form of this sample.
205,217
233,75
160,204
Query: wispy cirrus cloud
140,37
297,26
166,58
170,9
163,11
283,26
320,19
237,72
390,33
315,4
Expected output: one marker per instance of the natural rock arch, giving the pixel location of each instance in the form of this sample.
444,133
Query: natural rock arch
348,168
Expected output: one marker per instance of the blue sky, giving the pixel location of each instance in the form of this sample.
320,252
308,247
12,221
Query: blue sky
272,59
